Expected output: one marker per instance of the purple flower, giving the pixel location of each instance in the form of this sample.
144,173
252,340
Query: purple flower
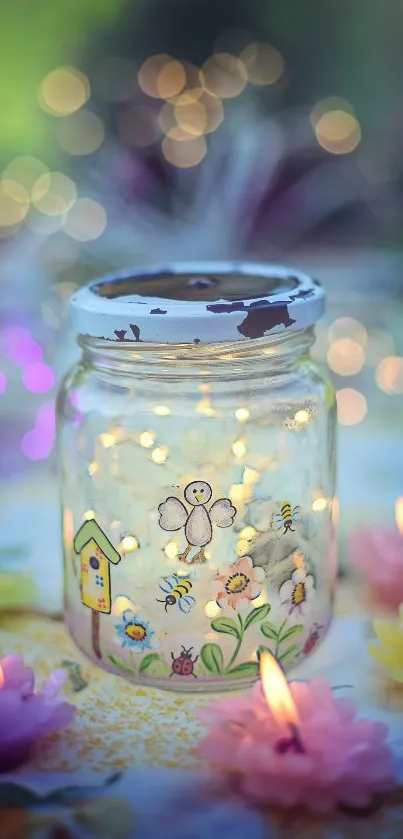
26,716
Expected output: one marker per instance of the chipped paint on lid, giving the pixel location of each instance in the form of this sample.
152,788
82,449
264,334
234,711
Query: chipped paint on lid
197,302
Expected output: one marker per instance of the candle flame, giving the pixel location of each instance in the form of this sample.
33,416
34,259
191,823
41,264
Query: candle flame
399,514
276,690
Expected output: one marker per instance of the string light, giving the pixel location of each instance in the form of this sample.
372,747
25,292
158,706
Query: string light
93,468
162,410
250,476
120,604
81,133
107,439
171,550
86,220
63,91
264,64
351,406
248,532
160,454
319,504
224,75
302,417
239,448
89,515
242,414
147,439
129,544
212,609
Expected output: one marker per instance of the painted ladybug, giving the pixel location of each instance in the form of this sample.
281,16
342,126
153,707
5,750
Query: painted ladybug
183,665
312,639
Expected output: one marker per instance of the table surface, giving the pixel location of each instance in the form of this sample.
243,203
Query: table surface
119,726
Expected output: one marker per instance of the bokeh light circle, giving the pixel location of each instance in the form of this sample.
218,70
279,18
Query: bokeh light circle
224,75
264,64
351,406
86,221
37,444
81,133
38,377
54,193
184,155
63,91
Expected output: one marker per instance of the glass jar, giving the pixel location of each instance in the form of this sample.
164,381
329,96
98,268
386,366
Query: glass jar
197,448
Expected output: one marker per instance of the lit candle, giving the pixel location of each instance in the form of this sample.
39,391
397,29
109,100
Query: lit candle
378,554
296,745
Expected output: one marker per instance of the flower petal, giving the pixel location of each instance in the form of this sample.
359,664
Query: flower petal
255,590
286,589
258,574
298,576
309,582
244,565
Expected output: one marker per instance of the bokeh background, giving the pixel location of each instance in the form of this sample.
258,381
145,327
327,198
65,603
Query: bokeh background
147,130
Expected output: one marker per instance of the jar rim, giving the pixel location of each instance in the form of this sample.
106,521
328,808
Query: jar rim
197,302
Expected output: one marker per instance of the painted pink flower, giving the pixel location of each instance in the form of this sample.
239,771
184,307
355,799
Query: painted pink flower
238,584
378,554
26,716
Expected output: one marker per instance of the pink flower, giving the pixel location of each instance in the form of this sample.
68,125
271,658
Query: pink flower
378,553
26,716
238,584
339,760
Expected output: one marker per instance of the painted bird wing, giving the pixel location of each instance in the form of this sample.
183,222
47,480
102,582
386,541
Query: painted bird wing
222,512
173,514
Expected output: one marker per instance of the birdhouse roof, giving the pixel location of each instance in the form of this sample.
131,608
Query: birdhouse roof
91,530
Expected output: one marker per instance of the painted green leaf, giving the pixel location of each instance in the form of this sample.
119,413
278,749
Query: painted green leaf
247,669
212,658
225,625
292,632
269,630
117,661
257,615
289,654
147,661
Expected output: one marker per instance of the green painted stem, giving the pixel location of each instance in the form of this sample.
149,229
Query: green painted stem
235,653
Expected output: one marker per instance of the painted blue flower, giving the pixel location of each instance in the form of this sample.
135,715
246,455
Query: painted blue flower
134,632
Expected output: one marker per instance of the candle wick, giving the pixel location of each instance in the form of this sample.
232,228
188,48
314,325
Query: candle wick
293,743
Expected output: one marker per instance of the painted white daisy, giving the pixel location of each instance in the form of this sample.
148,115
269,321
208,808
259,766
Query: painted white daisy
297,594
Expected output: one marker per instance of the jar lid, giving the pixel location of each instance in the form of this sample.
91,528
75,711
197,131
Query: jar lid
197,302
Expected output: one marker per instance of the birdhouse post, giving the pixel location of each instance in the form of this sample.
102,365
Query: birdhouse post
96,554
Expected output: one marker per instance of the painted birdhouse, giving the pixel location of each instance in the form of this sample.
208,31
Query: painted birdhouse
96,554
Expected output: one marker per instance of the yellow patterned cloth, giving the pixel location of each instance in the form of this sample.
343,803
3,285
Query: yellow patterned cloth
117,724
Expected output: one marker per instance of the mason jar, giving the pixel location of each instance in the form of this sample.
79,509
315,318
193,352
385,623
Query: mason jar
197,453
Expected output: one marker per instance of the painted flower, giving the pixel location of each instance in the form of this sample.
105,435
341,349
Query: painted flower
296,594
238,584
389,650
135,632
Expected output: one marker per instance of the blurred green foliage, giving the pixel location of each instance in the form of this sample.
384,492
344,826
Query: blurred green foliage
37,36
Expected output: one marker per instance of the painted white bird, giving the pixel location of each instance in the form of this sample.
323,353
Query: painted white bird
197,523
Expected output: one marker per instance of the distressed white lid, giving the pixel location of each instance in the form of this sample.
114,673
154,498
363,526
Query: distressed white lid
197,302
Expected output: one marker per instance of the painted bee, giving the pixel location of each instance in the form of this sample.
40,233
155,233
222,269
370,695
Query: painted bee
177,591
286,518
